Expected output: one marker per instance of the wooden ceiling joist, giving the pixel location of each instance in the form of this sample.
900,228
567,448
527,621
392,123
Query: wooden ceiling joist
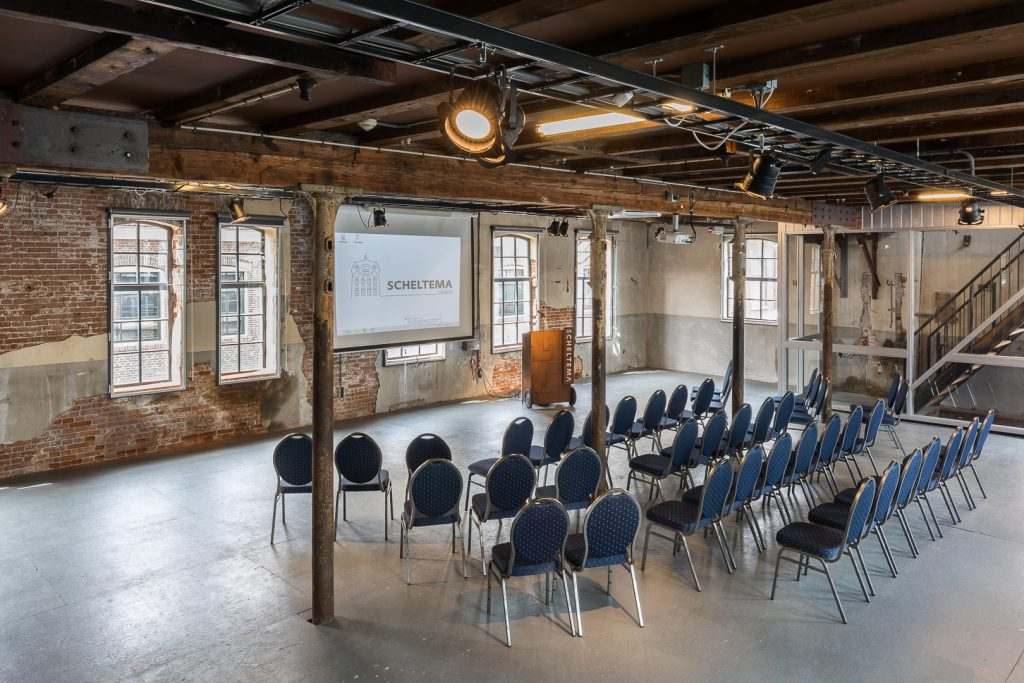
267,80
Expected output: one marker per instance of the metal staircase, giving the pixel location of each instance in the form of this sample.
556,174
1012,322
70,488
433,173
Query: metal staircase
985,317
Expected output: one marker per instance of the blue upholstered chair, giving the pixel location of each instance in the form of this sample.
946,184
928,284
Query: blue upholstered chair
675,410
609,531
432,499
891,420
358,461
746,491
556,442
536,546
828,453
774,472
719,398
518,438
649,424
675,460
620,426
708,449
293,463
782,416
966,455
738,430
586,436
979,447
507,487
800,464
576,479
806,397
684,517
849,441
945,471
873,422
889,401
929,466
825,544
809,413
423,448
834,514
702,398
760,431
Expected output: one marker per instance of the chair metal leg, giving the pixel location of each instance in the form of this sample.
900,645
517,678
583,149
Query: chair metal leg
856,571
723,542
385,517
568,602
689,560
932,512
488,592
835,593
924,516
636,595
947,498
462,547
968,498
871,459
980,487
504,602
643,559
867,577
775,577
755,529
883,540
336,513
911,543
344,506
608,582
273,519
579,610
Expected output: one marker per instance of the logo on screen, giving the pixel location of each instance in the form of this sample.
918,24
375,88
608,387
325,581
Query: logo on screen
365,277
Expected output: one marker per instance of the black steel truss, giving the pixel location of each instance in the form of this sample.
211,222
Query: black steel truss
558,73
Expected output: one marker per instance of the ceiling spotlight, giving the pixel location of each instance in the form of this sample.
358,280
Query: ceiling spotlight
971,212
821,161
679,107
762,176
623,98
237,210
379,218
305,88
553,228
878,193
485,120
563,228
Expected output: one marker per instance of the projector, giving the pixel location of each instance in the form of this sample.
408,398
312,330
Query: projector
671,237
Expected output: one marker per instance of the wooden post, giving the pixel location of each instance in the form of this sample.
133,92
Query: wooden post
828,276
739,293
598,280
326,209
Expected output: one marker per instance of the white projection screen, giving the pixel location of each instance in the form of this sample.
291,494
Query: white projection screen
410,282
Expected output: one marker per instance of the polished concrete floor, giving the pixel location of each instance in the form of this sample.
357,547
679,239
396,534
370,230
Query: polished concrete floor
163,570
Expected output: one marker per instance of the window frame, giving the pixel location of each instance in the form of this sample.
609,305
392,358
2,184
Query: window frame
609,332
531,236
420,357
814,280
262,224
726,279
175,286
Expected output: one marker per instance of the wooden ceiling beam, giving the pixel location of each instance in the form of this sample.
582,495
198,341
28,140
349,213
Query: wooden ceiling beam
109,58
200,105
175,29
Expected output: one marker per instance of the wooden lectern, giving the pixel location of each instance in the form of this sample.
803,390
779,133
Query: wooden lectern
548,367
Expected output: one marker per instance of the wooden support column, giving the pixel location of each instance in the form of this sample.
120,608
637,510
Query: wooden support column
739,293
326,209
828,277
598,285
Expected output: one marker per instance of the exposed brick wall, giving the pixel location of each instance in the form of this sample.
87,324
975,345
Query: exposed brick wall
507,376
556,318
357,373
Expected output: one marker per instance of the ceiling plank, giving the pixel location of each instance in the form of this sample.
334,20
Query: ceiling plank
109,58
198,33
503,13
197,106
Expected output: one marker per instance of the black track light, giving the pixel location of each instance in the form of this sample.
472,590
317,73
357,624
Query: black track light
971,212
553,228
762,176
305,88
821,161
563,228
237,209
878,193
379,218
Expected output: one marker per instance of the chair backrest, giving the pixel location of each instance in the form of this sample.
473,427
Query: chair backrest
860,511
423,448
705,394
624,416
819,401
559,434
967,448
654,410
986,427
811,389
711,442
929,464
851,430
874,423
518,437
509,483
805,450
677,402
610,525
778,460
894,388
909,474
682,445
588,427
763,421
748,474
887,485
293,459
828,448
435,489
358,458
578,476
538,534
949,458
740,426
726,383
784,413
900,402
715,494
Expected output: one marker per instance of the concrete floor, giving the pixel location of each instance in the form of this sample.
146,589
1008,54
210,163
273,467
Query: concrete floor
162,570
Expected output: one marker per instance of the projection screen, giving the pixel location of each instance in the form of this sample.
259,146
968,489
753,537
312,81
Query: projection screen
410,282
